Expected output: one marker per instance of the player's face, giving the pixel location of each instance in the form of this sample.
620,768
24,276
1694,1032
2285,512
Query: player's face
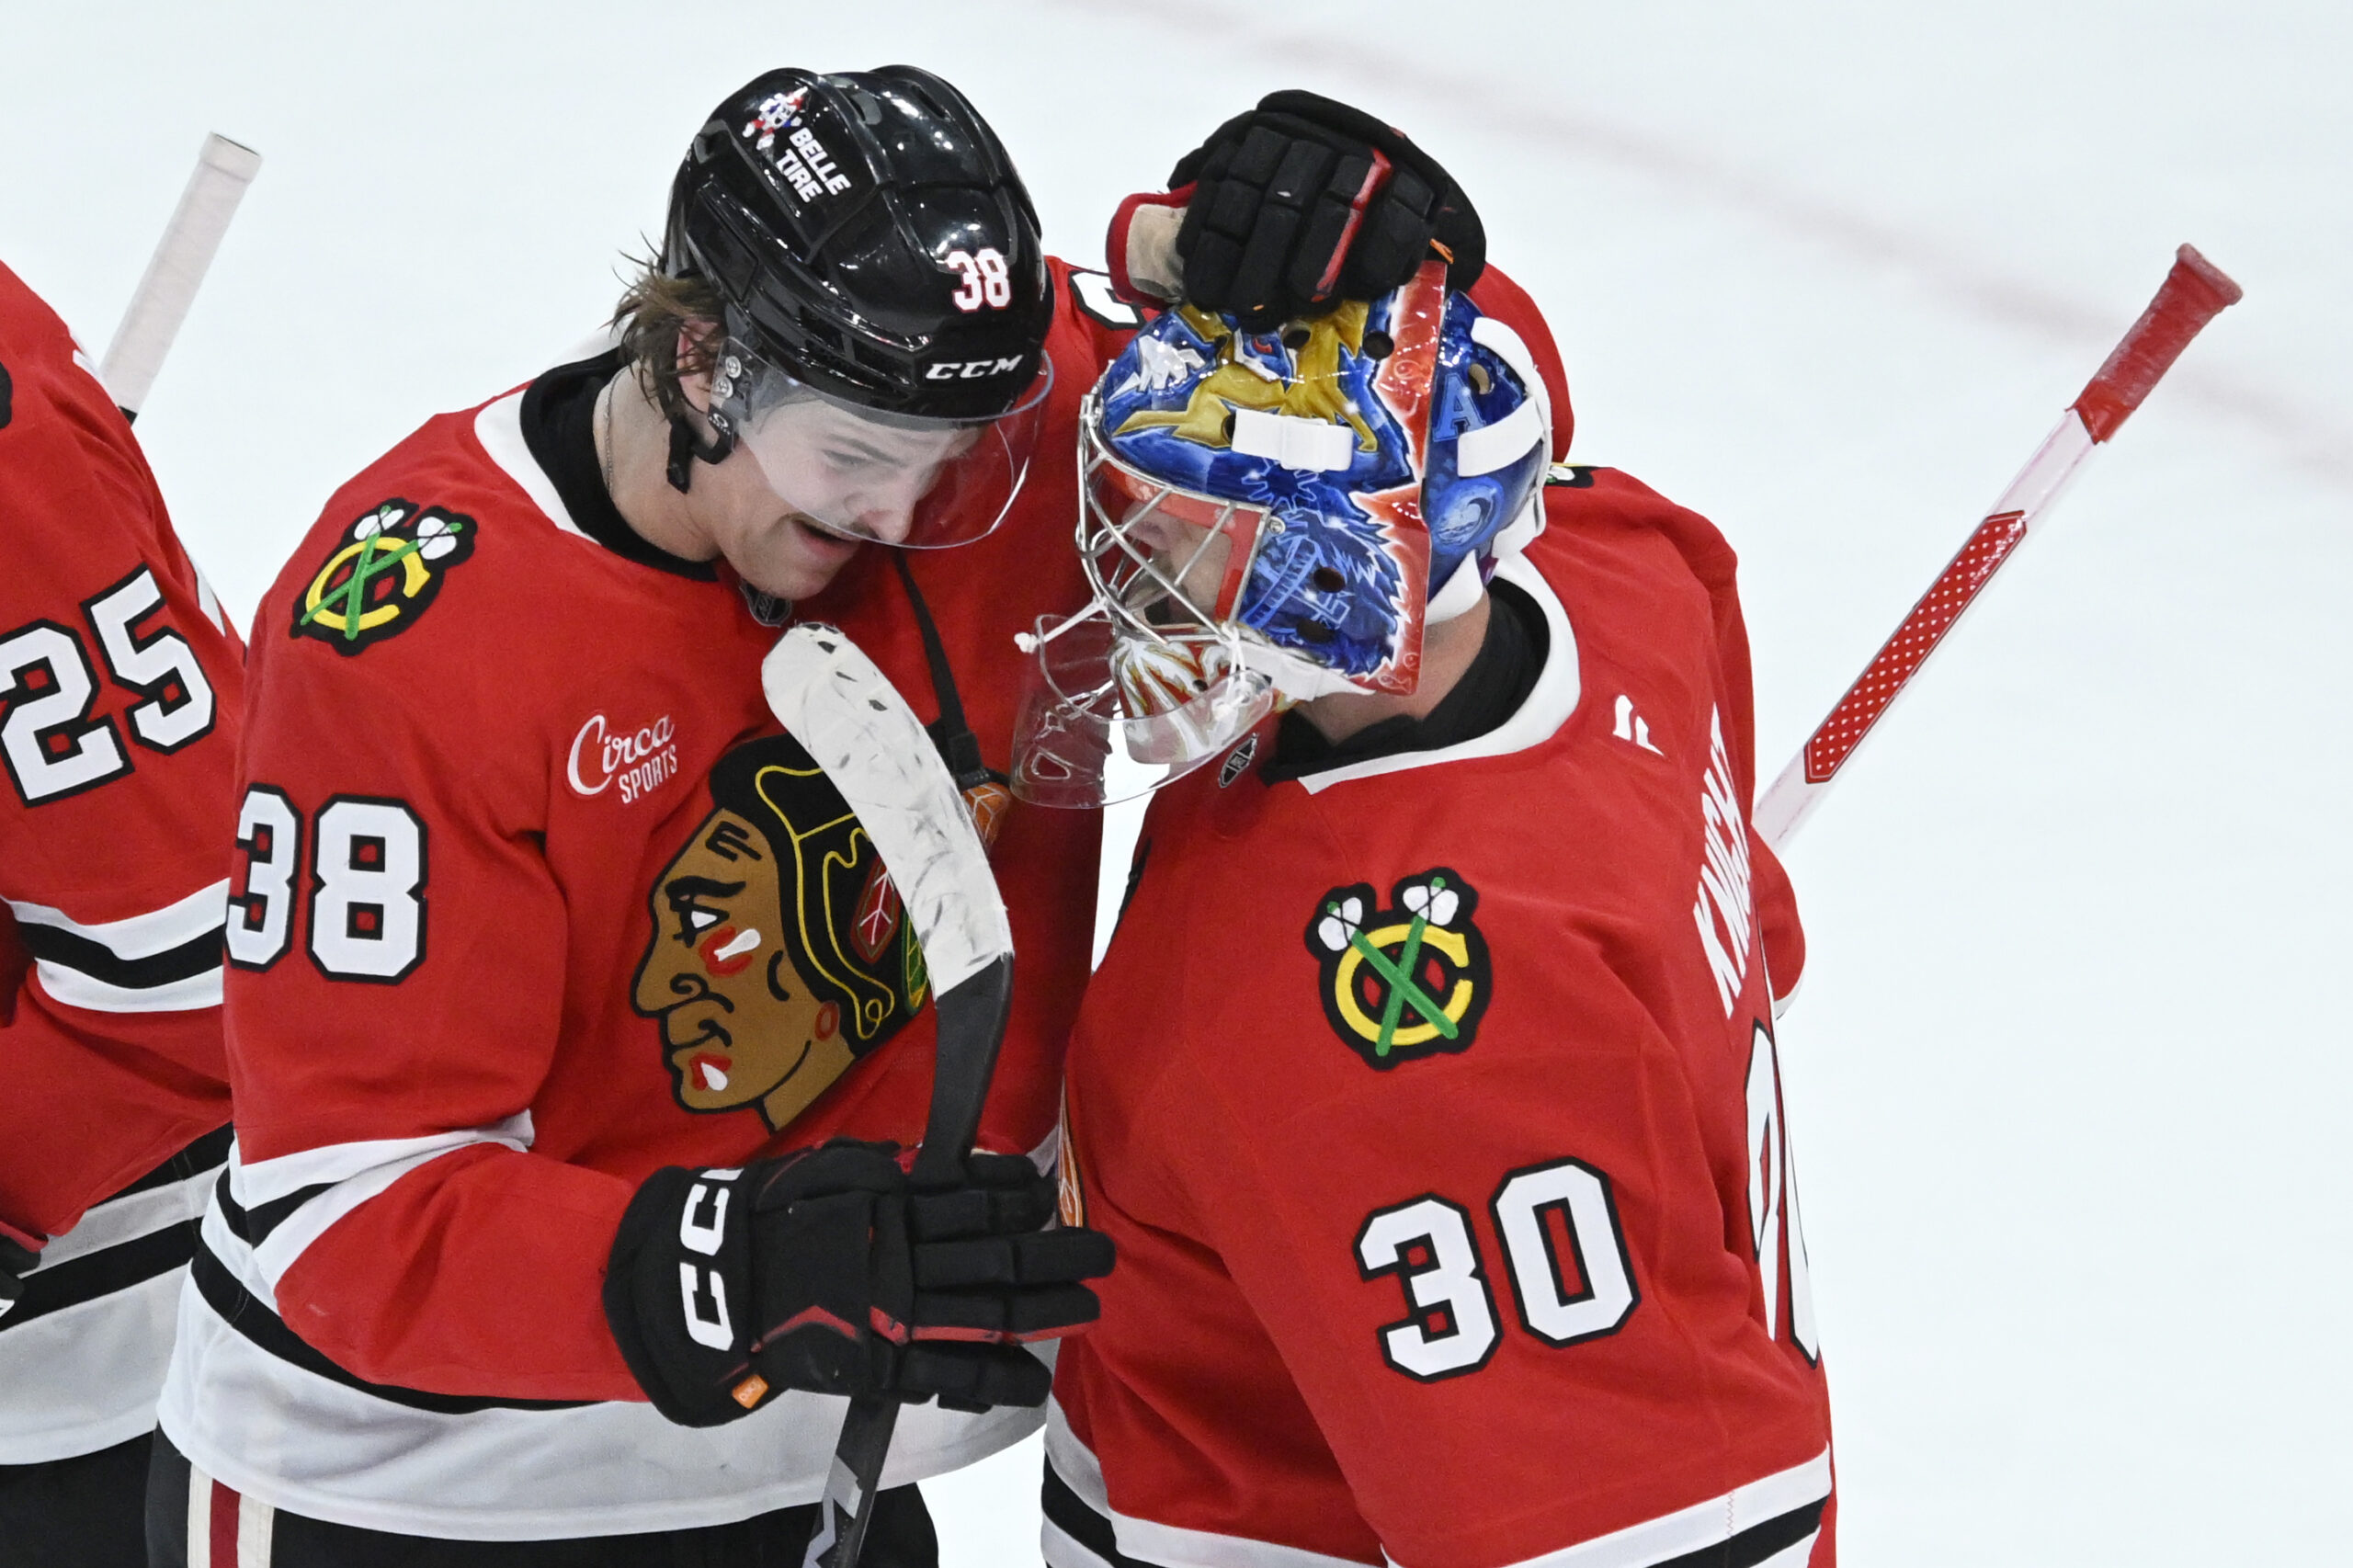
739,1024
792,503
1186,553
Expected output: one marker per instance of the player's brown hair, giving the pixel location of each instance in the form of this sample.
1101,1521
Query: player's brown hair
652,312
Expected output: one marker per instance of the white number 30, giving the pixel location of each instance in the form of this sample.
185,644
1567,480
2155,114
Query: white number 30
986,280
1568,1288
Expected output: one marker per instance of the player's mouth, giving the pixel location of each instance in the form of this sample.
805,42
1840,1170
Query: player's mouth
824,542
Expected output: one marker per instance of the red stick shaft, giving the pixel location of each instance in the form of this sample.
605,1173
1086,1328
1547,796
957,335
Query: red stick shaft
2193,293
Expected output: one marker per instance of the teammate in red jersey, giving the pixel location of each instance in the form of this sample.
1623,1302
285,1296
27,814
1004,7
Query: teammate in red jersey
1428,1087
119,690
539,919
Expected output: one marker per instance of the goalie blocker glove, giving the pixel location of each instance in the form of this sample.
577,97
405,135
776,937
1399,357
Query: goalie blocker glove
826,1270
1291,207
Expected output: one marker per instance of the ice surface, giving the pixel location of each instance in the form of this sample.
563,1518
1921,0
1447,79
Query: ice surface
2068,1073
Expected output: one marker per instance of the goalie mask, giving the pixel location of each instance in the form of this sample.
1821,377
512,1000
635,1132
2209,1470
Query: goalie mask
1272,516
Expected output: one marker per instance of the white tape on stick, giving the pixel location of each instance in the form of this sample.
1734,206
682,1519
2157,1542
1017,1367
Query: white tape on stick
222,171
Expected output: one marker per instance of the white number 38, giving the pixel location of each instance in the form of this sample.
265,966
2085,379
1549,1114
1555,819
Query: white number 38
985,279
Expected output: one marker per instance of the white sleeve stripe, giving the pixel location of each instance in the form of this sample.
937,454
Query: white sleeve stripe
279,1250
139,936
1700,1526
128,1218
1173,1548
76,989
256,1182
1073,1460
351,1174
1685,1531
1140,1538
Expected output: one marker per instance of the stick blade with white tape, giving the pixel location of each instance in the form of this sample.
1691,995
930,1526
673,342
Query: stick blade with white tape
2193,293
853,721
223,170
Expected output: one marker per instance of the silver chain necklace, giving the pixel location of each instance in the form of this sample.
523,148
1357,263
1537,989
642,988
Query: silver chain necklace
604,452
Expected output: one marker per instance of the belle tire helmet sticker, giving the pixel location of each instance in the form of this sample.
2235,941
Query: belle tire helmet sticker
1409,981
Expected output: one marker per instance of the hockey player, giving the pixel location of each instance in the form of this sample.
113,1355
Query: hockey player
119,688
541,932
1428,1087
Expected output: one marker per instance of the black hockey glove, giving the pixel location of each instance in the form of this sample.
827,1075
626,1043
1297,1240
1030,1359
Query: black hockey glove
17,1260
1292,207
824,1270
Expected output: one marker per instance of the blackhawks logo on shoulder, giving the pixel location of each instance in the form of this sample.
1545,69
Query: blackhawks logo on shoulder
384,575
1408,981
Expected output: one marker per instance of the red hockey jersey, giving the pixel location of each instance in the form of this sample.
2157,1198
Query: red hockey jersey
1433,1103
524,913
119,691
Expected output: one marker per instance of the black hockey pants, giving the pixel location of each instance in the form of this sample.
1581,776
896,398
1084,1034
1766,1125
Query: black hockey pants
79,1513
218,1528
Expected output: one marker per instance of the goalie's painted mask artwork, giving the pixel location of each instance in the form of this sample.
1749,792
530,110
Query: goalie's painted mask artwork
1276,514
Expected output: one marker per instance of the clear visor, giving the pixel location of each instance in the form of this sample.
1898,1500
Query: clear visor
1108,716
920,483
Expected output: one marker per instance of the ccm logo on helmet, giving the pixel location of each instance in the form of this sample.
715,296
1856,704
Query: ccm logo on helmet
971,369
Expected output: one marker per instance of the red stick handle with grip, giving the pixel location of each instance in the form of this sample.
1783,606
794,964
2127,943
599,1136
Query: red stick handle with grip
2193,293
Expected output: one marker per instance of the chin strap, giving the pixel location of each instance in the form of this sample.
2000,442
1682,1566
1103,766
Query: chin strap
687,448
984,789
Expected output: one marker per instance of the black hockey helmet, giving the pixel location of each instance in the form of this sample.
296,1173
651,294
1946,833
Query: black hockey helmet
882,280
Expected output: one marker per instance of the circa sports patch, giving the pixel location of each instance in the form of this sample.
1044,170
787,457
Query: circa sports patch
1411,980
385,573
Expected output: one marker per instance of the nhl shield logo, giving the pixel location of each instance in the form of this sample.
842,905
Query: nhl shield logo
1237,761
1408,981
384,577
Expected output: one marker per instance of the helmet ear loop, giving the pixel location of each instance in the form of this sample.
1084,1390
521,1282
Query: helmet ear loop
687,448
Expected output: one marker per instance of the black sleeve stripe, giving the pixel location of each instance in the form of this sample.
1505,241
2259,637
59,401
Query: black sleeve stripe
102,1273
251,1317
1083,1524
1751,1547
197,955
232,1213
264,1218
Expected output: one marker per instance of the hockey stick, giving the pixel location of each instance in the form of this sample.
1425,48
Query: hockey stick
876,752
223,169
2193,293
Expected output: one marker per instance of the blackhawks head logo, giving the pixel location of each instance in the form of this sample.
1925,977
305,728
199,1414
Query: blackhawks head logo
780,952
1408,981
383,576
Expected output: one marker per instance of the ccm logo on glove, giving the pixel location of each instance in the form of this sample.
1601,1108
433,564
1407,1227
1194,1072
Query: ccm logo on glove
826,1270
